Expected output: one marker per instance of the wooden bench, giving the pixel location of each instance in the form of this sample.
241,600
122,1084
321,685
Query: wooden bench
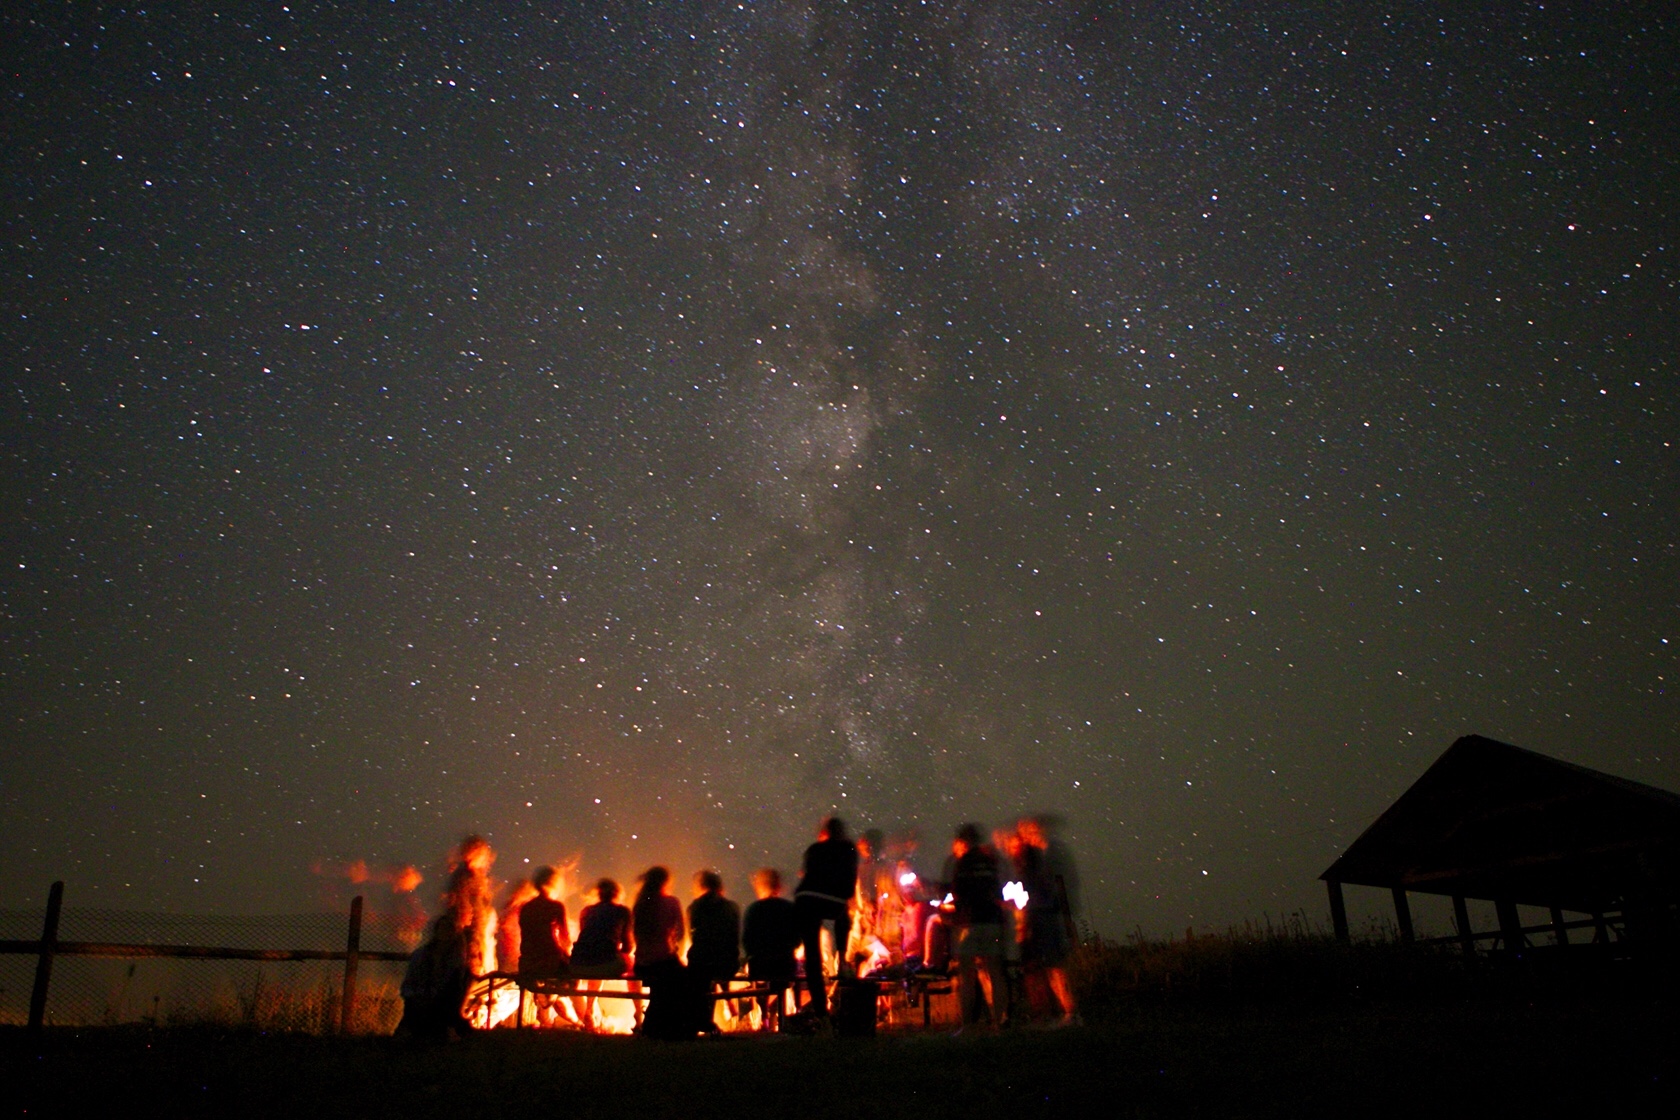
921,985
569,987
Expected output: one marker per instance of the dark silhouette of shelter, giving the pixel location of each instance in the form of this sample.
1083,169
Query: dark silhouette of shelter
1493,821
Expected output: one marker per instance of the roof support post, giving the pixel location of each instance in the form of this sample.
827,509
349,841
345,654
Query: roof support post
1559,930
1338,910
1403,915
1510,925
1466,935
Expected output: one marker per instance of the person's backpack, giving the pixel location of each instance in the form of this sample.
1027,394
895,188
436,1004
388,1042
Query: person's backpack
677,1006
854,1008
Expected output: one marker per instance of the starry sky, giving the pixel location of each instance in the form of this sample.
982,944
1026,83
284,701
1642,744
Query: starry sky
635,430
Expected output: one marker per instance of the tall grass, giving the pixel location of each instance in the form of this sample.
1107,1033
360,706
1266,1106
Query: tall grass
264,1005
1257,962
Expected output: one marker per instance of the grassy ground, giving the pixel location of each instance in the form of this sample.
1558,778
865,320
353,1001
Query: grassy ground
1445,1056
1254,1022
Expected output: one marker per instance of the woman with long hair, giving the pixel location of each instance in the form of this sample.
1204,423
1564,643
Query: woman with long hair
657,918
658,921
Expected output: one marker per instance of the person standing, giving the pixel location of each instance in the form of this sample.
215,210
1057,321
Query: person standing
977,918
471,893
823,896
1047,944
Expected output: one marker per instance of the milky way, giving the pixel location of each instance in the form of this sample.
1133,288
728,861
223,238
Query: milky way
636,430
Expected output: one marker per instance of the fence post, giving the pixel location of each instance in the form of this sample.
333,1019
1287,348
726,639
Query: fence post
352,953
44,962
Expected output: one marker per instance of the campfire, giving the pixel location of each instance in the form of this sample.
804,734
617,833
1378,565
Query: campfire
497,1000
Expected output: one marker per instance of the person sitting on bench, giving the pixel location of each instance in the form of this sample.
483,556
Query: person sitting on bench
545,940
770,935
714,931
603,947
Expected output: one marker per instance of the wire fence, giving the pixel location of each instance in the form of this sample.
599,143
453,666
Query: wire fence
165,977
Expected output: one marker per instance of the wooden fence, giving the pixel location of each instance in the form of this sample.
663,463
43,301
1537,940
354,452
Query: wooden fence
48,947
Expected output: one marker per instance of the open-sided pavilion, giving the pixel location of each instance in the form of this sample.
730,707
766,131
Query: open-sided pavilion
1492,821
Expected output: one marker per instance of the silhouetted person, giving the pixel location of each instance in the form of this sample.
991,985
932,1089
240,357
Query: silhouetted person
470,891
545,941
1063,870
770,934
507,926
913,912
714,930
977,921
603,946
434,985
657,919
1047,944
714,941
658,922
823,895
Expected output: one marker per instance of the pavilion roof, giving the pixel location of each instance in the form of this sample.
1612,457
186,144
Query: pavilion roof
1490,820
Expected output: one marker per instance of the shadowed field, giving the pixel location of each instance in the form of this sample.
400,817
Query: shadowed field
1441,1057
1256,1022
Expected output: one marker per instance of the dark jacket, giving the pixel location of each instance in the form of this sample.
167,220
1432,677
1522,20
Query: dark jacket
603,934
830,871
542,936
976,894
770,936
714,930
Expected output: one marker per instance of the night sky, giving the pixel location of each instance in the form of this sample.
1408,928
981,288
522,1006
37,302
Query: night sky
635,430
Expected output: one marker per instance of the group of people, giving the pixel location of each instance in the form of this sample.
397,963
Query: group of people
883,918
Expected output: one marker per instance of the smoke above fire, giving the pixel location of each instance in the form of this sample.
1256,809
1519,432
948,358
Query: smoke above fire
399,878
